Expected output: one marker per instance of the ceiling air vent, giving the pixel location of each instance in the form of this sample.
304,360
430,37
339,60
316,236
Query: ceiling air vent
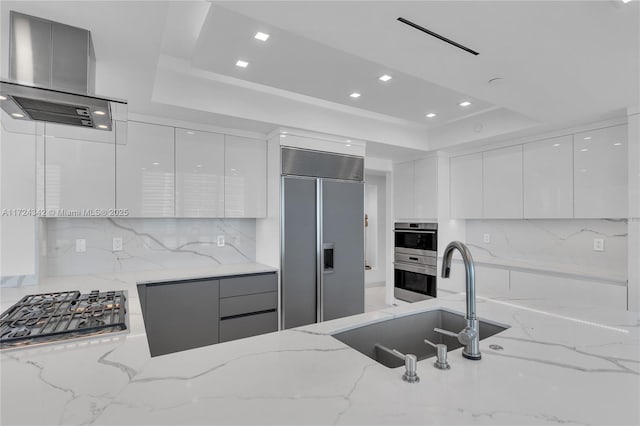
436,35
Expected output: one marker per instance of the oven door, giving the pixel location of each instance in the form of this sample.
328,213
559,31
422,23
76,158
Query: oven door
416,242
414,282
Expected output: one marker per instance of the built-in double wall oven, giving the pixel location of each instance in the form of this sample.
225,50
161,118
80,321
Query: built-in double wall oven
415,261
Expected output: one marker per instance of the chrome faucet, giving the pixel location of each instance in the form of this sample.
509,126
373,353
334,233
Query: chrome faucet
469,336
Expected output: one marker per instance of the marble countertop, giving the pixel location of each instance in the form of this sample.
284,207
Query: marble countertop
558,366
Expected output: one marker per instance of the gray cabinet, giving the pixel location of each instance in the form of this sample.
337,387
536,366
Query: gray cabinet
181,315
189,314
248,306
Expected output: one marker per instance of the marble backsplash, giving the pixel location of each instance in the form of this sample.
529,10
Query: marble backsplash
556,245
147,244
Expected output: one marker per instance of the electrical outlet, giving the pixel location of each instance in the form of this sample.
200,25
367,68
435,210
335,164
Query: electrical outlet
486,238
81,245
220,240
598,244
117,244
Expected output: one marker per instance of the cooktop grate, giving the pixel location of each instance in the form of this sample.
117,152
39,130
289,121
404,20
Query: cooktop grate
47,317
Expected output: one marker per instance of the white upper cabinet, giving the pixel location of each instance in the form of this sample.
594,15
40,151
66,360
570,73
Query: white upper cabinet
502,180
200,174
245,177
548,178
466,186
600,173
403,174
425,190
415,189
79,168
145,170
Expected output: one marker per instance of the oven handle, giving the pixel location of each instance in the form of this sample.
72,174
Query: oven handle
414,232
427,270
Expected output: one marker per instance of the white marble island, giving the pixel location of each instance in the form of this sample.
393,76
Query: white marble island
553,369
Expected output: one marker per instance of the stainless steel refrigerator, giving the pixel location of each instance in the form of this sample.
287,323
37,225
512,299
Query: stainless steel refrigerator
322,241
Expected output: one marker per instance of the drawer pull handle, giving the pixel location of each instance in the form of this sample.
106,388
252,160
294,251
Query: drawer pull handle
248,314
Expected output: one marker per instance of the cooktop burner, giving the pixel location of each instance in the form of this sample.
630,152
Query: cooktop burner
48,317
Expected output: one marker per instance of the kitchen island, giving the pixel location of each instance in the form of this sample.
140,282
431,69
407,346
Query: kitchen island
556,366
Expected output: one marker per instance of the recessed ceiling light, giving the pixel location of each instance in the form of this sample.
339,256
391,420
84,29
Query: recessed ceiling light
17,115
556,145
355,95
385,77
464,103
348,144
584,150
617,144
155,163
3,98
99,112
102,126
431,115
242,64
284,132
283,135
587,138
626,1
261,36
198,165
189,132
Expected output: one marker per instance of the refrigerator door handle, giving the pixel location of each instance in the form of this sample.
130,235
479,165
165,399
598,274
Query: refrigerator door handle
319,254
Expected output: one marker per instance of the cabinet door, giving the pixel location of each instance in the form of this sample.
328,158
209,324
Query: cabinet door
466,186
199,174
403,174
502,180
145,171
600,173
79,168
548,178
182,315
245,177
425,188
18,189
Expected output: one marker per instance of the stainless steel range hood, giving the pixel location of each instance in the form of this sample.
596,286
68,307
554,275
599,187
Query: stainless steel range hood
52,75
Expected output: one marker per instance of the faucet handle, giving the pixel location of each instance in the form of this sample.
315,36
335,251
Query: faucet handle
445,332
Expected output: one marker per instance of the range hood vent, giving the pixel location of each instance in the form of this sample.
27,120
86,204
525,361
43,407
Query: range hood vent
52,75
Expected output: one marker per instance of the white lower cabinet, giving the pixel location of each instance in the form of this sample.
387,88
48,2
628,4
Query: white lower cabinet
502,183
145,171
600,173
199,174
548,178
466,186
245,193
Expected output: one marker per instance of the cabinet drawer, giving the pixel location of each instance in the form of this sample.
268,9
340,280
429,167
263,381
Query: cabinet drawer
247,304
249,284
250,325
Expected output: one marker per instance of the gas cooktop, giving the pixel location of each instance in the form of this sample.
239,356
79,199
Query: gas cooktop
51,317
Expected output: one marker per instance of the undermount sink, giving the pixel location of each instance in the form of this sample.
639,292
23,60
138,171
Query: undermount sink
407,333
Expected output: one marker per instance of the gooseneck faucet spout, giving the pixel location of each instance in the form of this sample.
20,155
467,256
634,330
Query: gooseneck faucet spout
469,336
